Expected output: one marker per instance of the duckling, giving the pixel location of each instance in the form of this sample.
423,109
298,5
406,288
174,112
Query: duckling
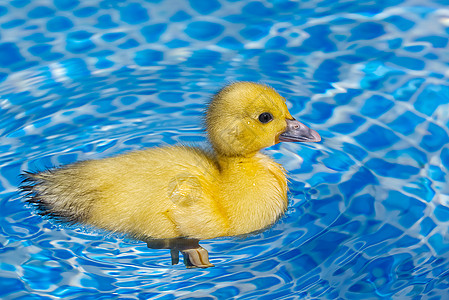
172,197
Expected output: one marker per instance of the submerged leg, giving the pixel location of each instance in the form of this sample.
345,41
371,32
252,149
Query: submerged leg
174,256
195,256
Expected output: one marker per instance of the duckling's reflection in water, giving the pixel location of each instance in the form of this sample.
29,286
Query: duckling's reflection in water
172,197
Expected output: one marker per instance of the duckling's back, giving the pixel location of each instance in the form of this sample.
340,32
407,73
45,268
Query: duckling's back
159,193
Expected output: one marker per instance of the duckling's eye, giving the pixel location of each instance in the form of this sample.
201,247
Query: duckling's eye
265,117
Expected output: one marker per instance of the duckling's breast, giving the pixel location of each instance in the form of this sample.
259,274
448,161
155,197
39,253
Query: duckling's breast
253,193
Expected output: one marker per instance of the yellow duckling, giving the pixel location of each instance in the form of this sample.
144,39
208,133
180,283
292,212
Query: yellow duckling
172,197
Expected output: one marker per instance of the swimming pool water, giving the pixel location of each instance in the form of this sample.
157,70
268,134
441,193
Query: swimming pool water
369,206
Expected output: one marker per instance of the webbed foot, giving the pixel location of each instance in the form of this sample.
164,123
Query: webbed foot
194,255
196,258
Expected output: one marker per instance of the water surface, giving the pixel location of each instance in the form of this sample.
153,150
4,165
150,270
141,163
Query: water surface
369,206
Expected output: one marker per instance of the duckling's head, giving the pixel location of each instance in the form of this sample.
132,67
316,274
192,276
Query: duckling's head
245,117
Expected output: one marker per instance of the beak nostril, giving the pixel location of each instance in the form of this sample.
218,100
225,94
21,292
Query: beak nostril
298,132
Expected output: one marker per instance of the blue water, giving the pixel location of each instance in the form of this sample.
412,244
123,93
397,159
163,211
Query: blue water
369,206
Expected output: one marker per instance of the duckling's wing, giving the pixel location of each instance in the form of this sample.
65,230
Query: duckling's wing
161,192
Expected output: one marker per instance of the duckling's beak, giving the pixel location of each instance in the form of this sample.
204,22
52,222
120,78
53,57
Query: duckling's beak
298,132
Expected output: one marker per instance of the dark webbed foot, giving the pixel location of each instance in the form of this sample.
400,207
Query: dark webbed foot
195,256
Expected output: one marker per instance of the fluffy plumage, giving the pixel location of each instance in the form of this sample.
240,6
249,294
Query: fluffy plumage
184,192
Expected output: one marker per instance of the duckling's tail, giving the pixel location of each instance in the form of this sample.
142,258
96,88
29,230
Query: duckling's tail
54,195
